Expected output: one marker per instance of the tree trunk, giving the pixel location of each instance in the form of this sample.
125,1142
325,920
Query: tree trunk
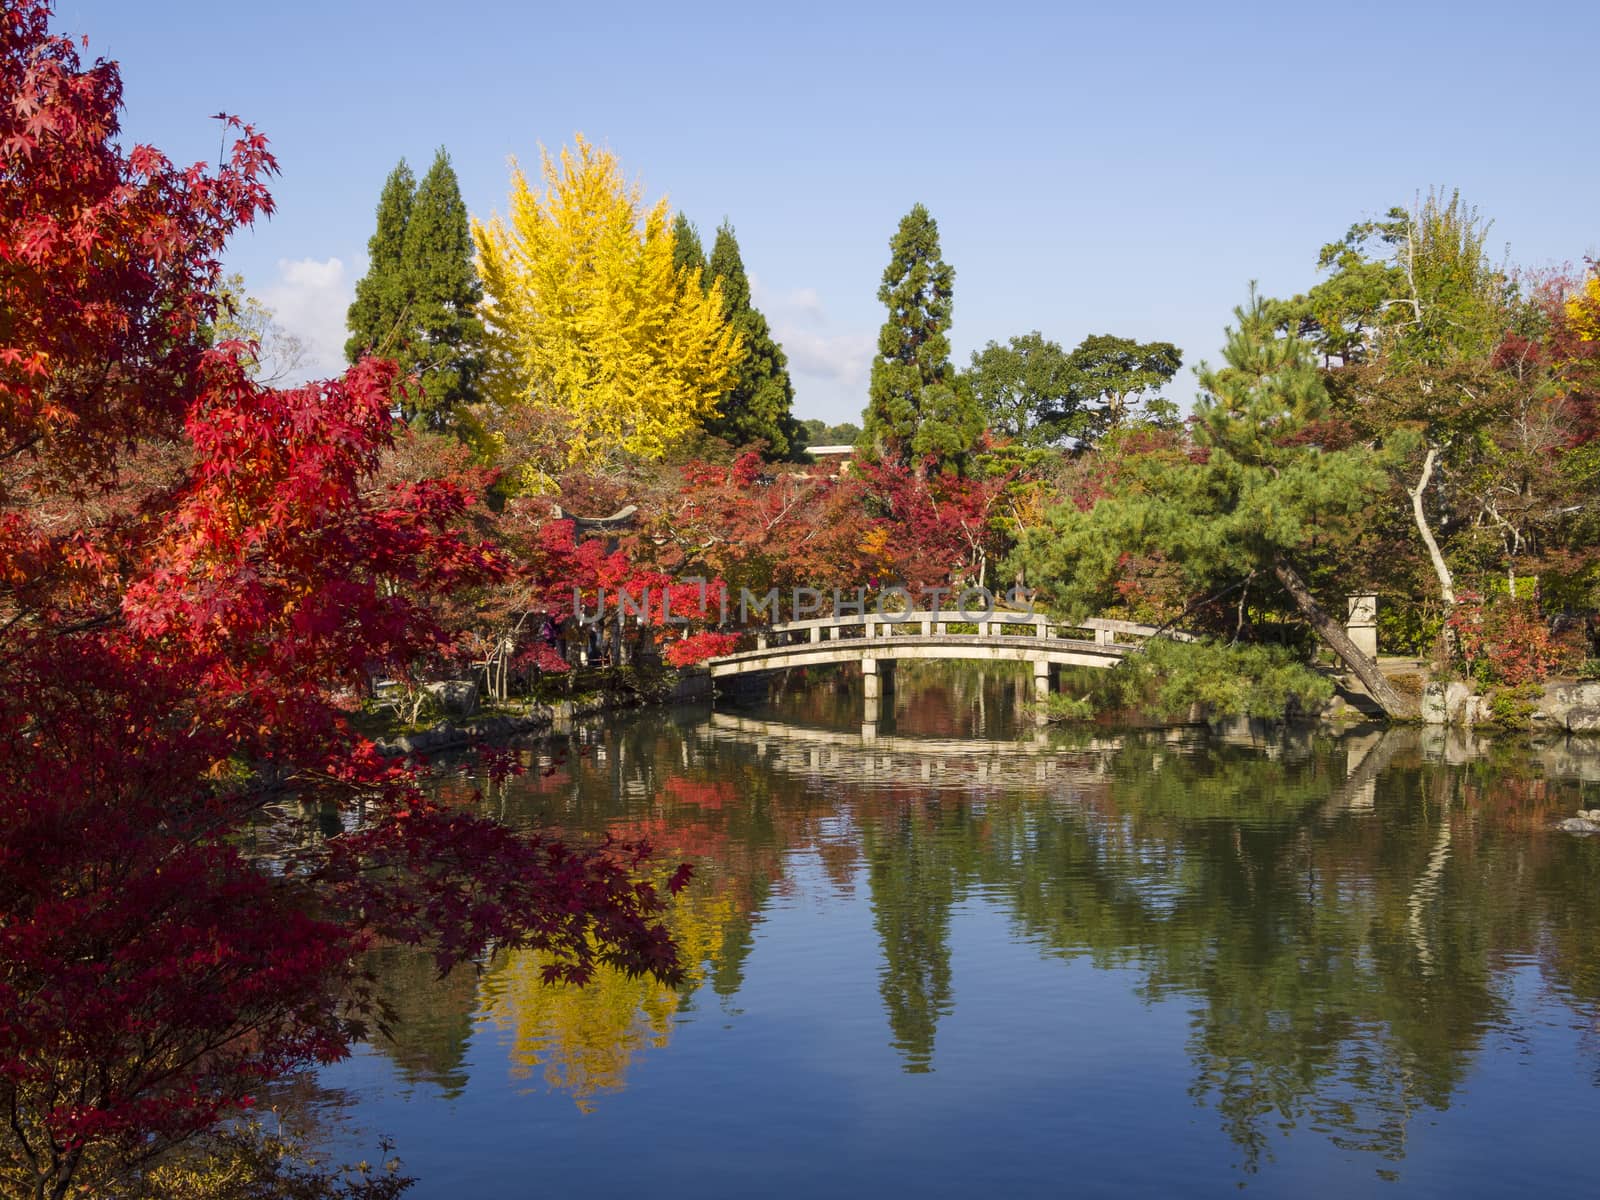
1447,584
1397,706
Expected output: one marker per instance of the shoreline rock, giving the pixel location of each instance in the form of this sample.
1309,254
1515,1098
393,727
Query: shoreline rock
1573,707
1584,822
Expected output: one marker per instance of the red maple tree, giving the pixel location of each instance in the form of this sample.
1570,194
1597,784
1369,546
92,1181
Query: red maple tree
874,525
190,565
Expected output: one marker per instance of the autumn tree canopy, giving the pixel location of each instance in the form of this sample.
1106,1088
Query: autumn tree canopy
589,319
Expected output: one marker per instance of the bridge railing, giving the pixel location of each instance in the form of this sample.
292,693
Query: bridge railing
1098,631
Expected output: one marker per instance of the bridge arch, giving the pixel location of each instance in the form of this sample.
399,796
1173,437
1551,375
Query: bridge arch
871,639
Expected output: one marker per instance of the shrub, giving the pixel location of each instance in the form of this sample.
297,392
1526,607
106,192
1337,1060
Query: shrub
1059,708
1503,642
249,1163
1513,706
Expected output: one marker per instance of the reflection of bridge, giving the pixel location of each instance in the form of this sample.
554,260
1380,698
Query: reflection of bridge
1036,758
874,638
926,761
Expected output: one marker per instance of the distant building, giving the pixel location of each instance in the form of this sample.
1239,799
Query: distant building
830,460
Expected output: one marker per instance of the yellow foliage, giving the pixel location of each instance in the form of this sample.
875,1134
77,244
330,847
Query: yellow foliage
874,544
585,1037
1583,310
588,318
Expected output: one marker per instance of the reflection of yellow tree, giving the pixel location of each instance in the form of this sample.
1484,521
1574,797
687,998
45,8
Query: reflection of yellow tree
585,1037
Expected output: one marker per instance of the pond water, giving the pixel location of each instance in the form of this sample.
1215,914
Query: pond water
944,953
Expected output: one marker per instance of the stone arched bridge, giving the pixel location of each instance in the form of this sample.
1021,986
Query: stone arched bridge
873,639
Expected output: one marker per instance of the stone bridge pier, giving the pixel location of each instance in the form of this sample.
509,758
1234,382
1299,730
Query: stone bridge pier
877,677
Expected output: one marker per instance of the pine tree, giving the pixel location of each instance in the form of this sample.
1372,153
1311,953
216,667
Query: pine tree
417,303
757,406
382,293
1271,496
444,337
919,407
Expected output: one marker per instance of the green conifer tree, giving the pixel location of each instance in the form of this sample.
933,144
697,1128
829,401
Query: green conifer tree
417,304
382,293
919,408
757,406
687,252
444,337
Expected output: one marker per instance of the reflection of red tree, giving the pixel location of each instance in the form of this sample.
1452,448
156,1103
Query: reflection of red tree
932,714
701,793
693,839
1525,802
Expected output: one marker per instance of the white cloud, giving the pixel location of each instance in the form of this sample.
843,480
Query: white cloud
802,305
842,358
310,299
830,364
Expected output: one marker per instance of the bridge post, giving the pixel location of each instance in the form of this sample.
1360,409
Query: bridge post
816,633
1041,680
869,678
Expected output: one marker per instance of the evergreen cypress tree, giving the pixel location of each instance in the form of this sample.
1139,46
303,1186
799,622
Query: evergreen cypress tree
382,293
687,252
919,406
444,337
417,303
757,406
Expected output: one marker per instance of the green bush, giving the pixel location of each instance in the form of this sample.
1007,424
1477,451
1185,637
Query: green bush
1059,708
1512,707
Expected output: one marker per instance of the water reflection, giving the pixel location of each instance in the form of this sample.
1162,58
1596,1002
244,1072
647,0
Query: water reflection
426,1020
581,1040
1347,921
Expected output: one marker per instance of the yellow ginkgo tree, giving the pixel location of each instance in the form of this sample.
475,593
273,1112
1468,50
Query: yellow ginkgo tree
590,323
1583,309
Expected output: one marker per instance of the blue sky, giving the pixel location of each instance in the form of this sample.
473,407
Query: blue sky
1110,168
